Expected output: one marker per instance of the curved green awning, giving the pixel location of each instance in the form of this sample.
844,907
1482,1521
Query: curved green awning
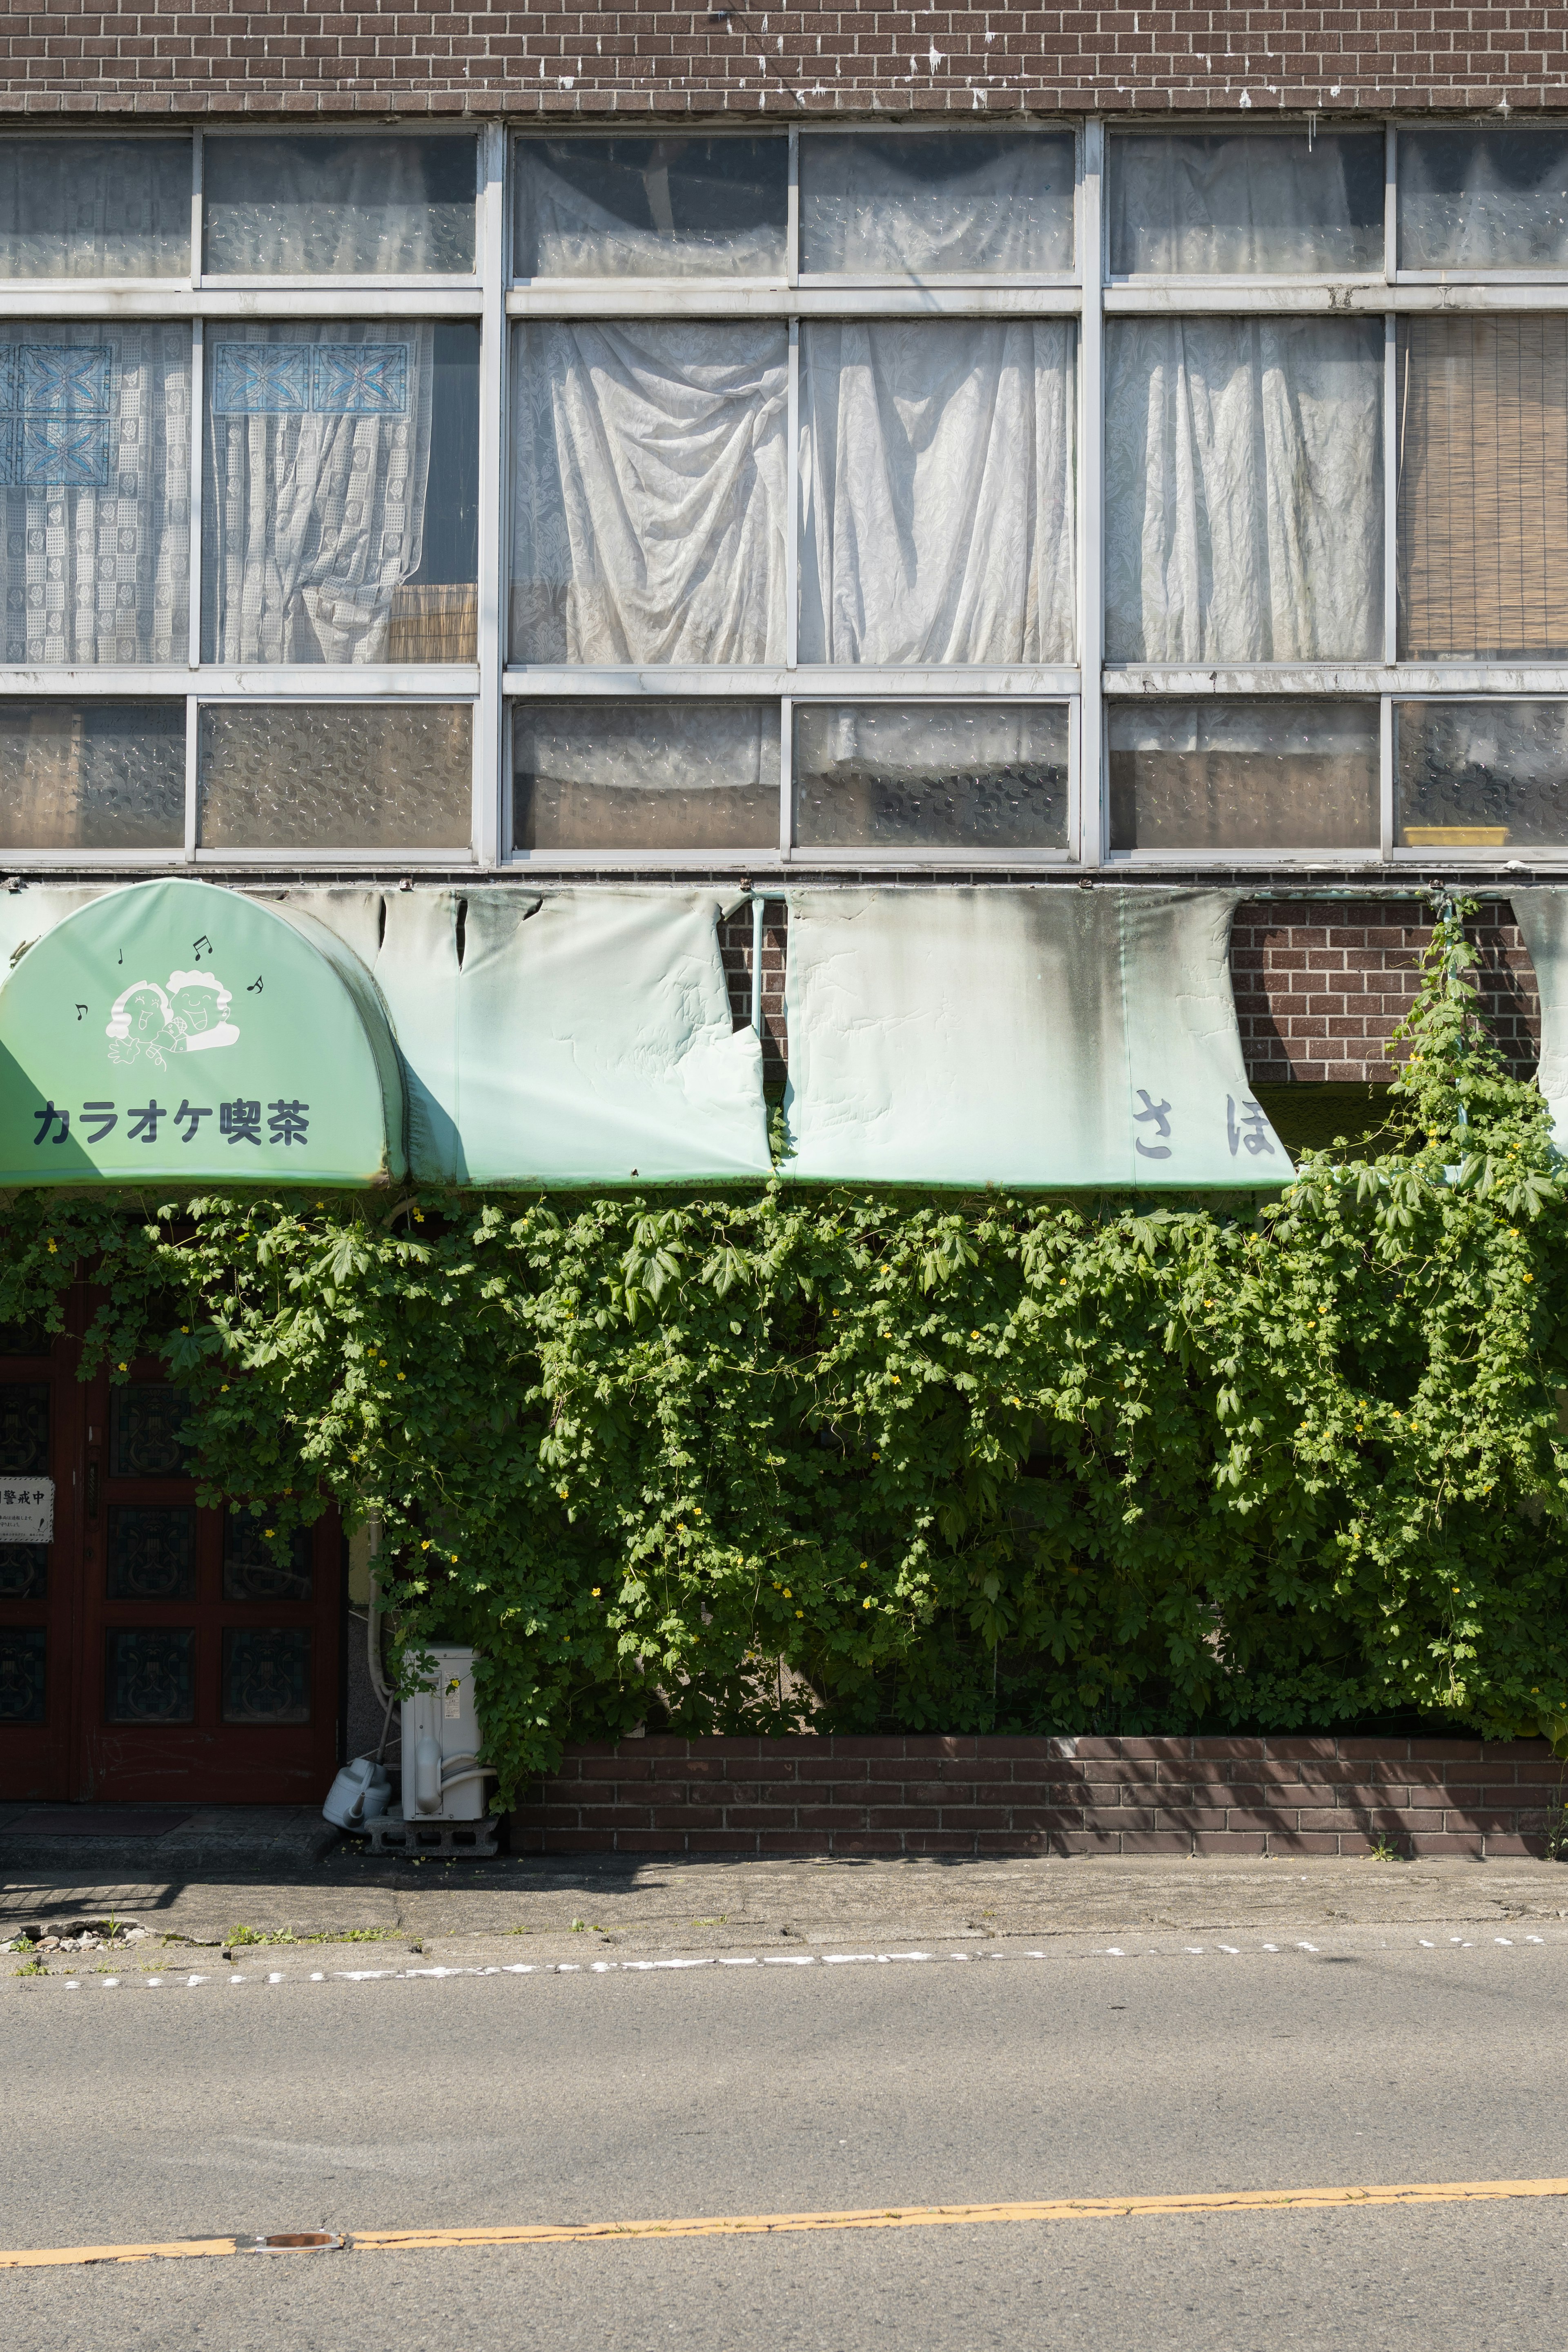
173,1029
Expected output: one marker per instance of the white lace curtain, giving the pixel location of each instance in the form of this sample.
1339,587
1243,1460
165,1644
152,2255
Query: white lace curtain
318,457
96,467
649,492
1244,489
95,207
564,230
936,480
1252,204
936,205
339,207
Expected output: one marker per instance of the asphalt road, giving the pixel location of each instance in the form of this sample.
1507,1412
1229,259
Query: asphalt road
136,2113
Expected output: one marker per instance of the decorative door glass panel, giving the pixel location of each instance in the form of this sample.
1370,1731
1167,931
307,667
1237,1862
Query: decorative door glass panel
23,1657
24,1452
151,1674
343,207
903,776
644,775
152,1552
936,204
146,1431
95,207
92,775
266,1675
617,207
251,1571
95,472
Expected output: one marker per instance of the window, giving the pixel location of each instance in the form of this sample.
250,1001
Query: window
1243,775
339,207
95,207
914,205
939,776
1246,204
1482,197
1481,775
285,776
651,207
649,774
92,775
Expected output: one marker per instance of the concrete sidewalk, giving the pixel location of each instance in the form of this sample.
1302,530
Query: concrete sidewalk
273,1875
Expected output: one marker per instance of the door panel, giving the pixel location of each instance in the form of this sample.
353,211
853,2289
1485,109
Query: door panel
40,1431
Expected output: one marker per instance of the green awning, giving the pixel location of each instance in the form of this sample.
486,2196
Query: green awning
1046,1037
1542,919
171,1029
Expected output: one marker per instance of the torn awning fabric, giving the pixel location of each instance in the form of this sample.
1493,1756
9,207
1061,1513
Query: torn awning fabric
1047,1038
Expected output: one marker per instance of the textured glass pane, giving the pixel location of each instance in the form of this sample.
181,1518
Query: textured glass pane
266,1675
650,207
146,1431
23,1650
95,207
340,525
1244,775
1483,486
1479,197
250,1568
339,208
936,204
1254,203
151,1674
95,477
1481,775
937,471
322,775
1244,489
979,776
644,775
648,469
92,775
151,1553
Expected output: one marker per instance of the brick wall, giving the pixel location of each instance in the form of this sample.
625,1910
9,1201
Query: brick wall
975,1796
574,60
1319,985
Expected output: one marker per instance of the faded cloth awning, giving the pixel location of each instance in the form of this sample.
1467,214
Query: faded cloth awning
1542,917
1047,1037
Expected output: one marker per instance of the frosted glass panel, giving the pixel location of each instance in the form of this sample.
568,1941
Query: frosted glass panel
316,488
948,776
92,775
1208,203
644,775
1243,775
1244,489
95,474
1475,197
352,207
941,203
320,775
95,207
649,492
1481,775
937,471
650,207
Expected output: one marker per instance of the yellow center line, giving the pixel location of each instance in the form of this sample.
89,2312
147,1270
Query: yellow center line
891,2217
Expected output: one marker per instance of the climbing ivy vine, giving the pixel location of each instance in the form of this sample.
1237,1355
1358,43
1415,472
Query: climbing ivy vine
788,1458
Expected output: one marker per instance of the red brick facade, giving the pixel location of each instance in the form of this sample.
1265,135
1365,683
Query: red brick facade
1320,984
794,62
976,1795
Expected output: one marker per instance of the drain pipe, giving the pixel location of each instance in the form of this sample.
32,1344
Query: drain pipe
759,916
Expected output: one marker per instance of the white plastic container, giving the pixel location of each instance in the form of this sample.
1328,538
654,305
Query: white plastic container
360,1793
442,1777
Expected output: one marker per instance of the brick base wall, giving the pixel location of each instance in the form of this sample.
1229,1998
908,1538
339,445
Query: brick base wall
1318,984
904,1794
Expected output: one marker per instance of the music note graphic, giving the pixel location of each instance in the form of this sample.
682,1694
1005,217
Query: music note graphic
121,957
197,945
255,988
81,1011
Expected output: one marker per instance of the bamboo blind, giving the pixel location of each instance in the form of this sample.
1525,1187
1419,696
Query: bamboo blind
1483,486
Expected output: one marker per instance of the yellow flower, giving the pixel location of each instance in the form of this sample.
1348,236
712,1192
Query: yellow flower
125,1368
788,1594
596,1590
402,1376
426,1545
865,1563
865,1604
223,1390
800,1613
267,1531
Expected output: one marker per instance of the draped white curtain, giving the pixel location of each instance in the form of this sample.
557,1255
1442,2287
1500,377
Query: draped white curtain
338,207
95,207
95,462
1244,489
937,482
649,492
920,207
1471,197
1255,202
563,231
318,457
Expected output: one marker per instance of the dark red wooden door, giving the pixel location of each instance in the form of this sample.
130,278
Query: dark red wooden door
162,1653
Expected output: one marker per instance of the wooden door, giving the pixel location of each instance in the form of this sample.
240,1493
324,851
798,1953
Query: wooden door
158,1651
